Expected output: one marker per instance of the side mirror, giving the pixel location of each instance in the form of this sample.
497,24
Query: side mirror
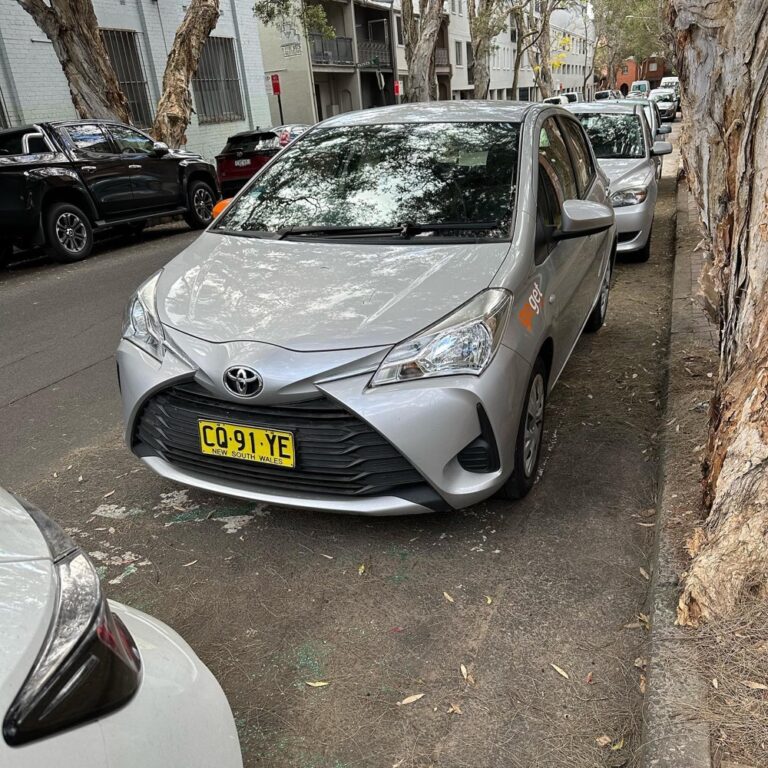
221,206
580,218
664,129
661,148
160,148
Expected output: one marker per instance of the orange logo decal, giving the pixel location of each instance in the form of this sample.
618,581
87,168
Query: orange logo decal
526,316
531,308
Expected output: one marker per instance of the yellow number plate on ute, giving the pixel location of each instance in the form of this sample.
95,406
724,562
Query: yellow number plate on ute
235,441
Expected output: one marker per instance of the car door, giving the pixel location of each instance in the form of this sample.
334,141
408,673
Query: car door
155,177
568,261
102,168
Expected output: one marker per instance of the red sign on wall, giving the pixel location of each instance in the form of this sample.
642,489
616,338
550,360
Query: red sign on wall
276,84
398,87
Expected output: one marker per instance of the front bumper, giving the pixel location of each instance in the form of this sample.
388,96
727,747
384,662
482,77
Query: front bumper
429,423
633,225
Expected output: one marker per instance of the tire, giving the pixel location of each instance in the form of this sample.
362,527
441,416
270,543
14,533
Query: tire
596,319
644,253
6,254
200,200
68,233
524,474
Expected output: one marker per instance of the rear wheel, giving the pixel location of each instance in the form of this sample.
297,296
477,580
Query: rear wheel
68,232
529,435
200,200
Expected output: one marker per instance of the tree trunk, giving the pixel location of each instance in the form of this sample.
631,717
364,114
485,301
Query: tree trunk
175,107
722,59
73,29
544,47
421,78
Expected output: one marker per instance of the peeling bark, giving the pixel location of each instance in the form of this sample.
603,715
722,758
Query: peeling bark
73,29
420,44
722,58
174,110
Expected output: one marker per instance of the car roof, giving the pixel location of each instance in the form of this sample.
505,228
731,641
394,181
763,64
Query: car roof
605,106
438,112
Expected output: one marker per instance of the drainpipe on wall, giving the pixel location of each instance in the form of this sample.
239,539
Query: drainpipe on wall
241,59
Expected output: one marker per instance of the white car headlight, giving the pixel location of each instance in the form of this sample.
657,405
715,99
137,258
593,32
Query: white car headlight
629,197
141,324
464,342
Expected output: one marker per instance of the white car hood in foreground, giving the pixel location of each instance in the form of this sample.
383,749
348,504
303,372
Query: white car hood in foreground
314,295
624,174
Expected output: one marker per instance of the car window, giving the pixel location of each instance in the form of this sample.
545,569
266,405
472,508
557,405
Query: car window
90,138
614,136
384,176
582,159
553,151
548,210
130,141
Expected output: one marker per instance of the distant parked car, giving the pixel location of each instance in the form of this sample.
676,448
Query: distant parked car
673,83
625,150
666,102
601,95
640,86
247,152
559,99
87,683
61,182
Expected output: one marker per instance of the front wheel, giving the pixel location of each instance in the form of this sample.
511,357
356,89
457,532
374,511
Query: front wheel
68,232
529,435
596,318
200,200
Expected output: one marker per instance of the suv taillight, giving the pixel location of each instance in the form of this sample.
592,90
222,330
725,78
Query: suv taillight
89,664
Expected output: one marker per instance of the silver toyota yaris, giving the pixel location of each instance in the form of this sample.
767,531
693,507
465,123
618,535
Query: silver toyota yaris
374,323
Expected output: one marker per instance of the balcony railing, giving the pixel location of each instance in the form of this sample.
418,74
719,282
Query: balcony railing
441,57
331,50
369,51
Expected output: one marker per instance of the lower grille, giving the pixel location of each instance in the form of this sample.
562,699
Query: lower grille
626,237
336,453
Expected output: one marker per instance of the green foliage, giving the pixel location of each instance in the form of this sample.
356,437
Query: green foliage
311,16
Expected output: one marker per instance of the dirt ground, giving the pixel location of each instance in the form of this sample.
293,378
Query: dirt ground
383,609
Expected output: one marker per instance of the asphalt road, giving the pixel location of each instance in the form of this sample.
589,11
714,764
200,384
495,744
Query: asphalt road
381,609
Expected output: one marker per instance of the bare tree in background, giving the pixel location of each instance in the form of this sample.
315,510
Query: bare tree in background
487,18
722,59
73,29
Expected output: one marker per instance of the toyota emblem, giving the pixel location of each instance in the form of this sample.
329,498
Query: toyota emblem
243,381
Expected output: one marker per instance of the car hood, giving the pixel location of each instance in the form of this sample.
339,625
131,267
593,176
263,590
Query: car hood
20,538
314,296
626,173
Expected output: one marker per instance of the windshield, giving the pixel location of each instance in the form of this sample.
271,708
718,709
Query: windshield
380,176
614,136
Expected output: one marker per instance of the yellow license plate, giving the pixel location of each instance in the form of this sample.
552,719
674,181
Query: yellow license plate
236,441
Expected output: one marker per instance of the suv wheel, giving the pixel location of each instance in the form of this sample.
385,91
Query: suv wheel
68,232
530,434
200,201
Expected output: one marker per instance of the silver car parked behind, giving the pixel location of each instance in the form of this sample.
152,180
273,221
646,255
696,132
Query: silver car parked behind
375,322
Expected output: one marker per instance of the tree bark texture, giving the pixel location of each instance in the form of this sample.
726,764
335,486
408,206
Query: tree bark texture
423,40
73,29
722,59
174,110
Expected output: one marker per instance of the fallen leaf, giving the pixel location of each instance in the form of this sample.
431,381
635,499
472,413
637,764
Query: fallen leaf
646,525
715,684
470,680
633,625
644,620
603,741
754,686
455,709
317,683
488,599
80,479
186,565
361,569
464,672
588,679
55,474
641,662
645,574
560,671
107,495
617,745
396,629
448,597
410,699
643,683
327,557
398,763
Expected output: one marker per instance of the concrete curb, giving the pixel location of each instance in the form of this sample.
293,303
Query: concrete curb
672,737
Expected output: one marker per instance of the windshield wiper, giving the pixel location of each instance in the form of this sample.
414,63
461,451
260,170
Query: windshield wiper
404,230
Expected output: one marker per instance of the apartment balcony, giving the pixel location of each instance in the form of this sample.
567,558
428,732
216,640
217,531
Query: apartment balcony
374,54
331,50
441,57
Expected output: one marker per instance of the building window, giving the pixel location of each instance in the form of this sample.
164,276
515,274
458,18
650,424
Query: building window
652,66
453,6
123,50
399,30
461,7
625,70
458,51
217,84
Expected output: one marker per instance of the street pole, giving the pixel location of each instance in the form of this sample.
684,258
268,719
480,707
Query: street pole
280,107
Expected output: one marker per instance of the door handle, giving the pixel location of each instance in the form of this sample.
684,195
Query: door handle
88,168
134,167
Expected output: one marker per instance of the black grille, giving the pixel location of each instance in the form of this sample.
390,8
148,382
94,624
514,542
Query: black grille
336,453
625,237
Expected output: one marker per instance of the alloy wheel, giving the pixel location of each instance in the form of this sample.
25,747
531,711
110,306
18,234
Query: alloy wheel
534,419
604,293
71,232
202,201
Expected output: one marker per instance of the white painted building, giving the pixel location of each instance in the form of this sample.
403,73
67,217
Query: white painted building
228,91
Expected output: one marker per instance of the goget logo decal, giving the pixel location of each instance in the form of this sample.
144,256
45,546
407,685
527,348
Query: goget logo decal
532,308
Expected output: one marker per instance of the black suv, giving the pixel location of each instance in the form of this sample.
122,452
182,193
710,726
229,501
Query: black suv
60,182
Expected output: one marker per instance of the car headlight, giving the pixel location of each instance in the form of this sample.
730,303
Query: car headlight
629,197
464,342
141,324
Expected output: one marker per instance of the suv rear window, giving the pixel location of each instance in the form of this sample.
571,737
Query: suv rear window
252,142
